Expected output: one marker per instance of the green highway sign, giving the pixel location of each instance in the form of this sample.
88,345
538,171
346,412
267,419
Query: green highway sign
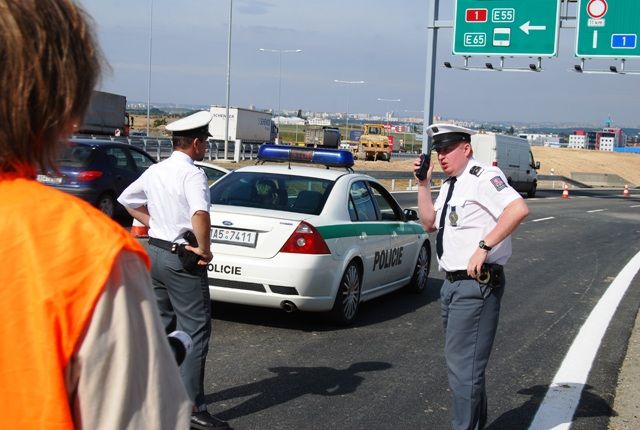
608,28
506,27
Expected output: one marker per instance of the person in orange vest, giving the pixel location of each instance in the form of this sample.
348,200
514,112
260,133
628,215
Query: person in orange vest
81,339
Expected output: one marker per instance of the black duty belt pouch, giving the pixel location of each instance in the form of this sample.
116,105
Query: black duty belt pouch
190,259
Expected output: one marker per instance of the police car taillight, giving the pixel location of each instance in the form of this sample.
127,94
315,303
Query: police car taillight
305,240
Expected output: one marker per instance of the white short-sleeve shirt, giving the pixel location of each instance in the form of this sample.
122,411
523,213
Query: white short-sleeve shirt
173,190
480,195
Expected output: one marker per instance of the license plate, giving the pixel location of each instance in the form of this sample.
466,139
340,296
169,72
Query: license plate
46,179
233,236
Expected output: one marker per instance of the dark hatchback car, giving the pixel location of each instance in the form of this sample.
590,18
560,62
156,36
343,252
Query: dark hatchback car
97,171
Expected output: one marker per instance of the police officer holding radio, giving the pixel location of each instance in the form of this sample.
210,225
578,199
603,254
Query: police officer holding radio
172,198
474,216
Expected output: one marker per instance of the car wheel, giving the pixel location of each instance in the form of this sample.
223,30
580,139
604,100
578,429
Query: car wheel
532,192
420,276
347,301
107,204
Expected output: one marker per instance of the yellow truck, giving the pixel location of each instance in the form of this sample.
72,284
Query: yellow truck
374,144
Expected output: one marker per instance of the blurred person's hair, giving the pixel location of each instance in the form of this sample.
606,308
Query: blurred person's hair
49,65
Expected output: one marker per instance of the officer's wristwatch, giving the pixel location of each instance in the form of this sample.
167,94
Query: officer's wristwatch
484,246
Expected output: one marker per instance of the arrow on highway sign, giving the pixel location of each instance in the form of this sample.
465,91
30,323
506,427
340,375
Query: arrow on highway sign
526,27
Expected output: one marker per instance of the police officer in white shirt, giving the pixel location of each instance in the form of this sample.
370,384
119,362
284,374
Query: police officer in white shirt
474,215
172,199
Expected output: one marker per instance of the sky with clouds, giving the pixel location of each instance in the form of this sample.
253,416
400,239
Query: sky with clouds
380,42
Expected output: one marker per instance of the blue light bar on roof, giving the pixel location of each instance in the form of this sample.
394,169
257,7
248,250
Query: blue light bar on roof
296,154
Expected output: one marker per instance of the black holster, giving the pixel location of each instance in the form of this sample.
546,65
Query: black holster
491,274
190,259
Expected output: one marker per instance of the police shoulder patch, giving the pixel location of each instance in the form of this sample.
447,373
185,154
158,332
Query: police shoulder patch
498,183
476,170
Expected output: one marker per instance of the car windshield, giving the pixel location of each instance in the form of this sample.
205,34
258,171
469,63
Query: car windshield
300,194
75,155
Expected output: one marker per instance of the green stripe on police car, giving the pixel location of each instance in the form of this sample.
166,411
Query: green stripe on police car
370,228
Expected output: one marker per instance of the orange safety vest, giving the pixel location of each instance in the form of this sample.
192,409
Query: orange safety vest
56,254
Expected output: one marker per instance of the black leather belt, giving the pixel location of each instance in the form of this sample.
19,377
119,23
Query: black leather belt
458,275
489,274
164,244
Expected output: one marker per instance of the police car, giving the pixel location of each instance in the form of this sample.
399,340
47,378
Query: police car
311,238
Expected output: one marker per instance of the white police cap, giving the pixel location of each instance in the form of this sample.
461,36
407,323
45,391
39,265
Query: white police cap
194,124
447,134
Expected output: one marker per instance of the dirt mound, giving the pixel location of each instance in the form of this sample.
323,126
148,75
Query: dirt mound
563,162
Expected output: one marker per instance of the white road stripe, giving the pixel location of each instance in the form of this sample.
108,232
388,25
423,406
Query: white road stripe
635,206
560,403
543,219
596,210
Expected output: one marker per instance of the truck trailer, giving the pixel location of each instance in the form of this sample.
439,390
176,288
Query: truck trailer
321,136
249,126
106,115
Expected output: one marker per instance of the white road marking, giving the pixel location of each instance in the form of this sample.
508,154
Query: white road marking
596,210
560,403
543,219
635,206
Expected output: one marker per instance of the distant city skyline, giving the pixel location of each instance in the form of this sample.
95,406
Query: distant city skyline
382,44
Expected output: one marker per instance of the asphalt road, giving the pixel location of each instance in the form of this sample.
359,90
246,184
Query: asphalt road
271,370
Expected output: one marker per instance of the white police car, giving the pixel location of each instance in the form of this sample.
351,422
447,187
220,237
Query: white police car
309,238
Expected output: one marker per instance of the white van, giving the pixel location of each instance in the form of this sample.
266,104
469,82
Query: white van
512,155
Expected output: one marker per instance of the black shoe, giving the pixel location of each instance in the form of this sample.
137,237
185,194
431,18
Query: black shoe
203,420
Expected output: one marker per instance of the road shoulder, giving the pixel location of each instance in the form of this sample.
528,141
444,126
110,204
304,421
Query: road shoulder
626,403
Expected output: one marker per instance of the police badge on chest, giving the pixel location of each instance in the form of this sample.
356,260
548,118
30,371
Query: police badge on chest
453,217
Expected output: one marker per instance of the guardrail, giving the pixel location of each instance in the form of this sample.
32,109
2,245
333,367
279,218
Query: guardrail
408,175
161,148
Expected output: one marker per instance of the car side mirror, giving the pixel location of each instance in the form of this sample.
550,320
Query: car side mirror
410,215
537,165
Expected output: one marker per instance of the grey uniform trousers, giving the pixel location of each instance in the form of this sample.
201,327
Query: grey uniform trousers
184,299
470,314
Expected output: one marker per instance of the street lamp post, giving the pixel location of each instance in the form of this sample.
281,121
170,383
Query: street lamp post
226,121
280,52
338,81
149,75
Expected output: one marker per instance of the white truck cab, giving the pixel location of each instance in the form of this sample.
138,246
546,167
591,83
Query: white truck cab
512,155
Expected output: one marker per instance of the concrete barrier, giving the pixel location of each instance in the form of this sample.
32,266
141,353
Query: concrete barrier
600,179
